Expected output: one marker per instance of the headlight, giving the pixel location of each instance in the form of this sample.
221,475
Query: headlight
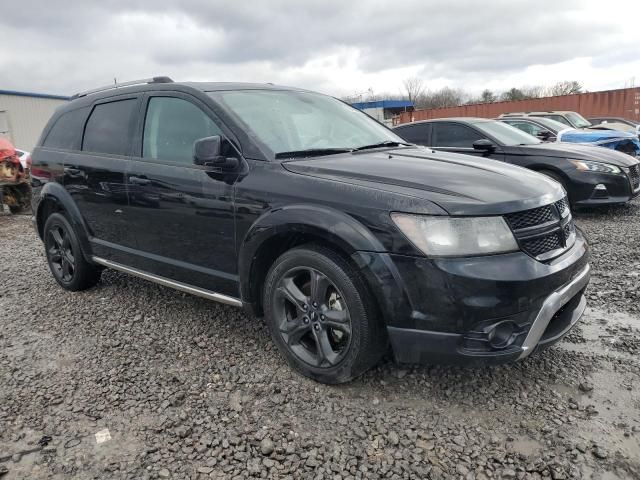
585,166
447,236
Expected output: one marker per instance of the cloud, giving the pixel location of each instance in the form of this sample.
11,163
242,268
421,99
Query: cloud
334,46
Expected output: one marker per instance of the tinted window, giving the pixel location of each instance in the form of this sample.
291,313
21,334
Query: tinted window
530,128
107,129
172,126
453,135
415,133
67,130
558,118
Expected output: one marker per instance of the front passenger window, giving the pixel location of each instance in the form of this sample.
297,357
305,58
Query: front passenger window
171,127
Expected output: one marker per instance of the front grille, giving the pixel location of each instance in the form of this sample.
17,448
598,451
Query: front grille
543,232
542,245
530,218
634,175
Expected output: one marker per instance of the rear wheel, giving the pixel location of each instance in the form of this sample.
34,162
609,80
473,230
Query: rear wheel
66,262
321,315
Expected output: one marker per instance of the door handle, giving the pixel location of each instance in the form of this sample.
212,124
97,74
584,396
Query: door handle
139,180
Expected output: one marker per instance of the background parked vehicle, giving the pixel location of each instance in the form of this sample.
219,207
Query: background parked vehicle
570,119
25,159
310,212
549,130
590,175
608,120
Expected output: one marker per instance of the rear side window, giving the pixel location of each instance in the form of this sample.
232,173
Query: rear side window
172,126
415,133
107,130
453,135
558,118
67,130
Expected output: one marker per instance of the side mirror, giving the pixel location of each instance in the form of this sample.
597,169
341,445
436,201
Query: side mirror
484,145
207,152
543,135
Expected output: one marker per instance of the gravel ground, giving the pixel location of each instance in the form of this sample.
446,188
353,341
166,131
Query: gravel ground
192,389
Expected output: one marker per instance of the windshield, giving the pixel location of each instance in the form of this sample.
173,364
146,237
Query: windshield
551,124
290,121
506,135
578,120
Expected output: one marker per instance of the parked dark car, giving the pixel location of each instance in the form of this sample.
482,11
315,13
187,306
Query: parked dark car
307,211
590,175
549,130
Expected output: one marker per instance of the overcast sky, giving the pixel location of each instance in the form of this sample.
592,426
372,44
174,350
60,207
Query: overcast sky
341,47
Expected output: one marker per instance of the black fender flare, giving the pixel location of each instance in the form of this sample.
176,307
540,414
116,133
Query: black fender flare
55,192
333,226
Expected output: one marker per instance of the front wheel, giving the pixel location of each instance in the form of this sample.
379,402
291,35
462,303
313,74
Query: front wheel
321,315
66,262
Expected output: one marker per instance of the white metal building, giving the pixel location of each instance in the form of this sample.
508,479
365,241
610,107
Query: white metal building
23,115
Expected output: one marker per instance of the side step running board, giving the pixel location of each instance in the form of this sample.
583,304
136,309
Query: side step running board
183,287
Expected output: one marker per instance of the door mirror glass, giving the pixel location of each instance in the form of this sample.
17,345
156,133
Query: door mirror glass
484,145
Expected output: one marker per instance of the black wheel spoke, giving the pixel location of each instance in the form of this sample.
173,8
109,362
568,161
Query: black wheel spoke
324,349
295,330
318,288
291,292
55,234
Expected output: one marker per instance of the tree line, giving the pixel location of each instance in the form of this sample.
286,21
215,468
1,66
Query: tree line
415,90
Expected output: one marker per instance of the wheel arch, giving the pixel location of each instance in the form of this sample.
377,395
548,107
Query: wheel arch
280,230
54,198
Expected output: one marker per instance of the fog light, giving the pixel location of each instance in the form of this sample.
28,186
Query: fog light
502,334
600,191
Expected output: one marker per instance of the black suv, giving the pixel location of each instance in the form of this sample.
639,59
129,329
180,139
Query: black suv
309,212
591,175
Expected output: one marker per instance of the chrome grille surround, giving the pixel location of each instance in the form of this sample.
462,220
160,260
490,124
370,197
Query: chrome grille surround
544,232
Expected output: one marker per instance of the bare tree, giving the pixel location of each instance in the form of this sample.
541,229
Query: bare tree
512,95
414,87
487,96
567,87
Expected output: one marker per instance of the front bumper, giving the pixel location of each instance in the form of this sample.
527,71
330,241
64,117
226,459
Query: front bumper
594,189
449,310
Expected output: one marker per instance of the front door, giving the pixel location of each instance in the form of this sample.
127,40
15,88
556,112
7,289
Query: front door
182,215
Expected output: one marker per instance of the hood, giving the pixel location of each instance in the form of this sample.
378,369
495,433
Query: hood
460,184
579,152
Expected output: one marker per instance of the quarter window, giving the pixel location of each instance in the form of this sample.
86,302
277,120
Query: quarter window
172,126
108,127
452,135
67,130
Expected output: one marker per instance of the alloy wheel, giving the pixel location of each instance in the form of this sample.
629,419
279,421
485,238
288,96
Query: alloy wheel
60,253
312,317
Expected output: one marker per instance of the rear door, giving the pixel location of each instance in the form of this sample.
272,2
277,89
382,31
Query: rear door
181,214
95,176
418,133
458,138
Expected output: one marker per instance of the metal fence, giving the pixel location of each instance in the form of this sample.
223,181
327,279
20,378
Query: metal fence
614,103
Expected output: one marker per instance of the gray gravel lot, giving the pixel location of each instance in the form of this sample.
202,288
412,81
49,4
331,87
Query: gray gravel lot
192,389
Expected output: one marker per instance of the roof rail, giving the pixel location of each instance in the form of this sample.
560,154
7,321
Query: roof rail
123,84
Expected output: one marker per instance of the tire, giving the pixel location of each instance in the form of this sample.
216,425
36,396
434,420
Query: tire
16,209
336,339
64,255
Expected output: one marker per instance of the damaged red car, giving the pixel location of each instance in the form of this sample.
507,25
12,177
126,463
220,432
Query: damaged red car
15,190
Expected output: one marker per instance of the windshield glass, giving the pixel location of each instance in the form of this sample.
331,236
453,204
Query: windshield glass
505,134
287,121
552,124
578,120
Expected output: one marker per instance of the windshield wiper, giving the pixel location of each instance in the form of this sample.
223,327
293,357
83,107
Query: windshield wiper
312,152
388,143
